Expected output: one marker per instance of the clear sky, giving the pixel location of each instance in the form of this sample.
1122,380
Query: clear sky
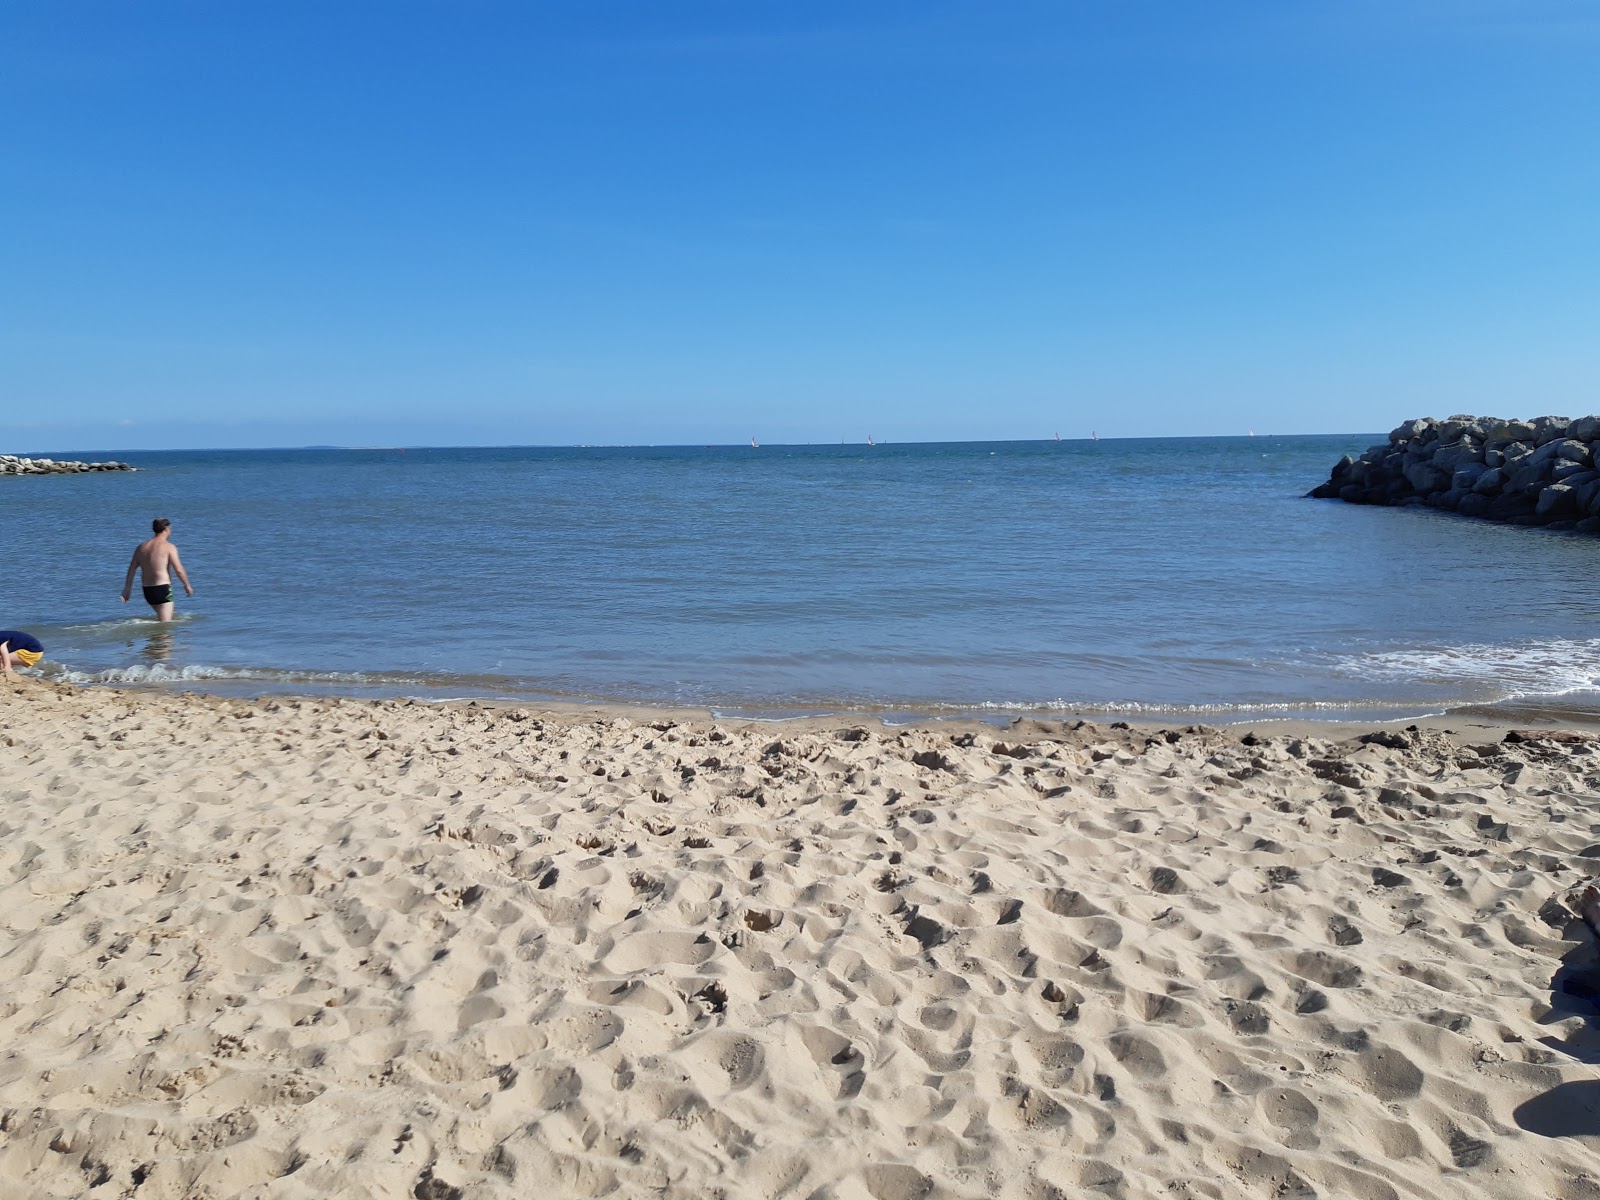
639,221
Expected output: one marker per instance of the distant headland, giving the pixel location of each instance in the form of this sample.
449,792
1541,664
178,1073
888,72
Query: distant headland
1536,472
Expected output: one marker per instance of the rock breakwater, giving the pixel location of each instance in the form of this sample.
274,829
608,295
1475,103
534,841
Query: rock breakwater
10,464
1538,472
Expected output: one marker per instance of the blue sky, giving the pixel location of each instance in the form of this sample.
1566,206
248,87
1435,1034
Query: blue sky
288,223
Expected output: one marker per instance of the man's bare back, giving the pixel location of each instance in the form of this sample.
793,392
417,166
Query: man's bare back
154,559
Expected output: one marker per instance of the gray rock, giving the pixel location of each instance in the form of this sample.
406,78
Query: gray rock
1515,452
1490,481
1557,500
1508,507
1507,431
1573,451
1467,475
1462,423
1411,430
1585,429
1424,477
1563,471
1450,455
1548,429
1526,478
1548,452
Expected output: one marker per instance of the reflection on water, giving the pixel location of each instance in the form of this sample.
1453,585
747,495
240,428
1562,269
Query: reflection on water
158,646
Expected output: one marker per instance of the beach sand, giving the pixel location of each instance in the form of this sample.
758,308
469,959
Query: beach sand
318,948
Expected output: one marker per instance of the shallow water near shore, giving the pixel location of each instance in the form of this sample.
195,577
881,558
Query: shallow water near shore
1182,578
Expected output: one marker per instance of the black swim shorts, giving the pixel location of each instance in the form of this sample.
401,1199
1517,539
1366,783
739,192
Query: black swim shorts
160,594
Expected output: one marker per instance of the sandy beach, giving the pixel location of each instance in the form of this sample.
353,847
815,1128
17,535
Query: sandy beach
315,948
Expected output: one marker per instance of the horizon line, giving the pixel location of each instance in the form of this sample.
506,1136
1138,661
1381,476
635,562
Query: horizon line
689,445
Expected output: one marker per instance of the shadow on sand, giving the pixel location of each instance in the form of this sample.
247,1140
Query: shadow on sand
1571,1109
1566,1110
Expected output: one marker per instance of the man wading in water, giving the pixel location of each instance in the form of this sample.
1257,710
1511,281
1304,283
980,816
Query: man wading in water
152,560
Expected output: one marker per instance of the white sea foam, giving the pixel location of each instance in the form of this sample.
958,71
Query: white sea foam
1219,713
159,673
1546,668
1412,683
1133,707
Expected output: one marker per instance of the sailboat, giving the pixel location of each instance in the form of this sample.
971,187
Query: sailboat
754,445
1093,436
870,442
1058,437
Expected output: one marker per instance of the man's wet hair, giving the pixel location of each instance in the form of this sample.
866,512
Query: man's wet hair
159,524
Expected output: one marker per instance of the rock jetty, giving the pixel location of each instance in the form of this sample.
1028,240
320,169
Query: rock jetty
10,464
1538,472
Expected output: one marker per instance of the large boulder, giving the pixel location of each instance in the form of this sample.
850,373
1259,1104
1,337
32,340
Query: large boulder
1573,451
1587,490
1411,430
1451,455
1508,506
1424,477
1548,452
1557,500
1452,428
1585,429
1548,429
1507,431
1529,477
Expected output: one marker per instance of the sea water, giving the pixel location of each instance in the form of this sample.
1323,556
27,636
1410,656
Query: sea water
1176,577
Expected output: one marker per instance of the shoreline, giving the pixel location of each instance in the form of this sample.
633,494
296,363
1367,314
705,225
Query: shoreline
310,946
1504,714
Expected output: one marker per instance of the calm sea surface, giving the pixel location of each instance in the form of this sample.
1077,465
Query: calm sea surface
1182,576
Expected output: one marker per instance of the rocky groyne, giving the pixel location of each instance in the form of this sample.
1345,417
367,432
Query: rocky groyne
10,464
1537,472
